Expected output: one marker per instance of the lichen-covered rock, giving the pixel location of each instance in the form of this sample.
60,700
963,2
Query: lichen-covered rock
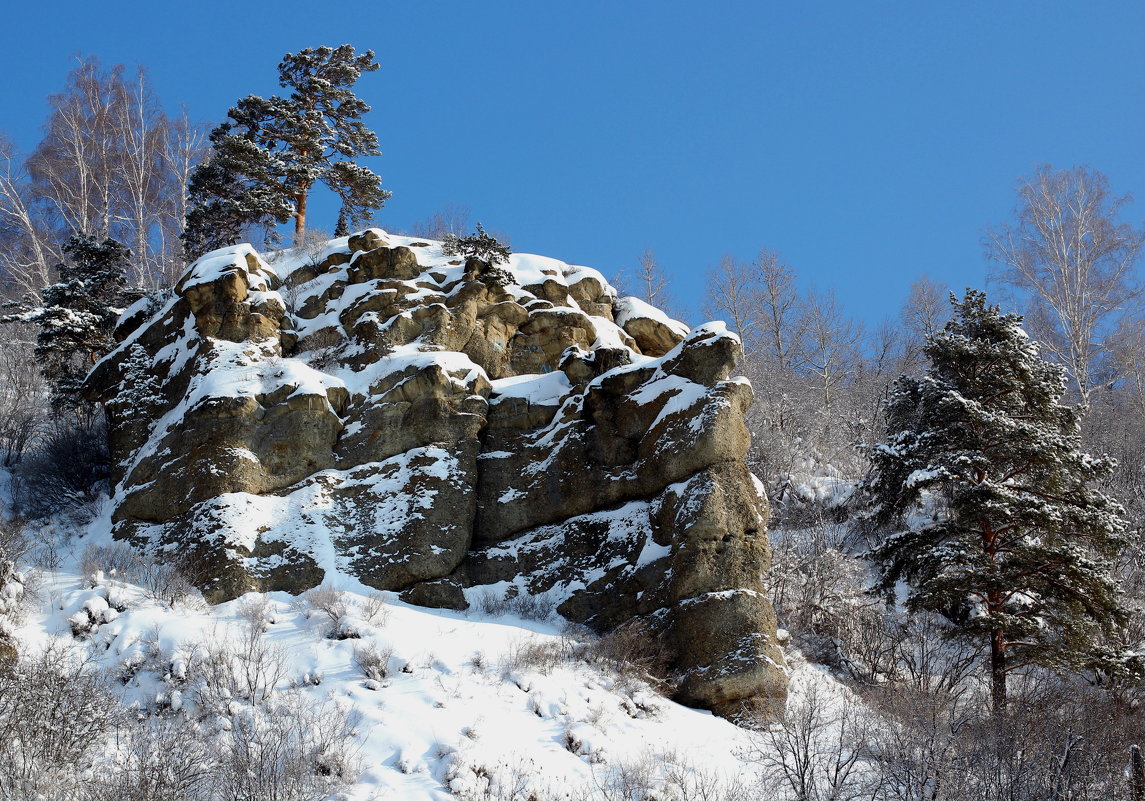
442,429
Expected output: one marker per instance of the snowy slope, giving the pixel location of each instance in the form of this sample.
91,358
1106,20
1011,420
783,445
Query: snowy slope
472,704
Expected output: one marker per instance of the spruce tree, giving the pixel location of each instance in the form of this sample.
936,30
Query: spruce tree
999,525
78,314
268,157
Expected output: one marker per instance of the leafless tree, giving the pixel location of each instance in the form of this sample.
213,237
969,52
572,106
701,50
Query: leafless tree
111,163
74,168
652,282
831,345
452,219
733,296
22,395
141,128
185,145
926,310
927,307
1074,263
780,306
29,250
816,750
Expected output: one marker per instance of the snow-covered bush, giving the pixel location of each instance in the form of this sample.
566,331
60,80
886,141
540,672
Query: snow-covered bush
524,605
373,662
331,603
115,561
13,584
235,664
819,592
160,758
322,349
373,609
294,750
163,581
340,611
256,612
541,655
55,712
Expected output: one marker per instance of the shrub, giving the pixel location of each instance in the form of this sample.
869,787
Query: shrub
541,655
163,581
247,668
116,560
69,470
55,712
634,651
160,759
293,751
334,604
524,605
373,662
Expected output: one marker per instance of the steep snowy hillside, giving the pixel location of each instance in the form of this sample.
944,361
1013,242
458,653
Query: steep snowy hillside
375,697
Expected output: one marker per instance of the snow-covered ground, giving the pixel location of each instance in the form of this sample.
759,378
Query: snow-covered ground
484,704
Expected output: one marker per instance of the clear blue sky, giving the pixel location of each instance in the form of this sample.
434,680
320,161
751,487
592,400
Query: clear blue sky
865,141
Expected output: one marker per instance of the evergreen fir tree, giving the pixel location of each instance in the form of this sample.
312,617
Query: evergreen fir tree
342,227
1017,546
77,315
478,246
267,158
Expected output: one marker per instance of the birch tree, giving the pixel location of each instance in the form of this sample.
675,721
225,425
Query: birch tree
27,242
1072,260
733,297
111,164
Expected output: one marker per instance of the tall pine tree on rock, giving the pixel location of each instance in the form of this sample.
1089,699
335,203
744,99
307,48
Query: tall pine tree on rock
1004,532
272,152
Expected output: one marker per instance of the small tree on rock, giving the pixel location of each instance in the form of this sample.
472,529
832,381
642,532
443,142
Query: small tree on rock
1016,545
478,246
267,158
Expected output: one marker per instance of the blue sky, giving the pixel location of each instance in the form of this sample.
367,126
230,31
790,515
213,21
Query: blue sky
866,142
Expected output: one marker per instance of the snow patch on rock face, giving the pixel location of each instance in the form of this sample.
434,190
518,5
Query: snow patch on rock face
241,259
628,309
546,388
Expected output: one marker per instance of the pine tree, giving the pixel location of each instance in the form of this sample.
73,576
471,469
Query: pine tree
267,158
78,314
1004,532
480,245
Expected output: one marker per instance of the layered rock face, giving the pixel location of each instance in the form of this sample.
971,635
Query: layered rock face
448,429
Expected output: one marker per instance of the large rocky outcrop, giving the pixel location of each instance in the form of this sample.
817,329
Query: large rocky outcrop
442,429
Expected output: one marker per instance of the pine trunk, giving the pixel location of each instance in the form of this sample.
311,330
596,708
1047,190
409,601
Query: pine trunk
1136,774
299,219
997,672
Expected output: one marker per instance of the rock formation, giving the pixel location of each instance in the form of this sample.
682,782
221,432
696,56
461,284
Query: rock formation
445,429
